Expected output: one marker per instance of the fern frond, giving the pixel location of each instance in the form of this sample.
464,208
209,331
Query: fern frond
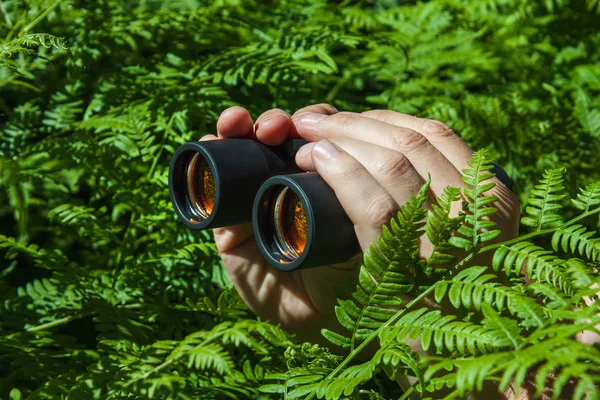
347,382
24,44
440,227
576,238
53,260
476,227
392,357
210,356
386,273
395,357
543,205
471,288
506,326
578,362
582,275
540,265
589,197
444,333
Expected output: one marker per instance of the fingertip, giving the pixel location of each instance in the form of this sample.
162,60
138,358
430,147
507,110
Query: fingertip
234,122
274,131
208,137
304,157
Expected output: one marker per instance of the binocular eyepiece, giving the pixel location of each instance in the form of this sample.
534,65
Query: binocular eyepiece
296,217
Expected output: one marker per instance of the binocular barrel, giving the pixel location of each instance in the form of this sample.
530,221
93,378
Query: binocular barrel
297,219
213,183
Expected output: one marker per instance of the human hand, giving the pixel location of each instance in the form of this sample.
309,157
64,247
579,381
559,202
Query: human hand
374,161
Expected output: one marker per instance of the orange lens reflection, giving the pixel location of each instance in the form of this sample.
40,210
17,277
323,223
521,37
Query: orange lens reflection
200,187
291,225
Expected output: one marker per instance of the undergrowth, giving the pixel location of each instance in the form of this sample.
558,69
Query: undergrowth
106,295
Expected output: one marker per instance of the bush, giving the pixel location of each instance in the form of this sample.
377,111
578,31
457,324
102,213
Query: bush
106,295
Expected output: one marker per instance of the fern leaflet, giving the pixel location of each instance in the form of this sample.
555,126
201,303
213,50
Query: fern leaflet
385,274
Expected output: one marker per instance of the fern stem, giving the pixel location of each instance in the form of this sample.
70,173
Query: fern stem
6,16
538,233
66,320
41,16
172,360
406,395
56,323
367,341
429,290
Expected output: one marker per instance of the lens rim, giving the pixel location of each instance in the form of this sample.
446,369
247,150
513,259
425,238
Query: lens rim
178,182
283,243
199,206
263,228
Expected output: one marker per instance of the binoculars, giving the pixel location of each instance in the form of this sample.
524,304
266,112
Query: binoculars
297,220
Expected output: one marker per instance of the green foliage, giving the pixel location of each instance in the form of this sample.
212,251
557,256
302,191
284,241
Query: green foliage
387,272
544,201
476,227
104,294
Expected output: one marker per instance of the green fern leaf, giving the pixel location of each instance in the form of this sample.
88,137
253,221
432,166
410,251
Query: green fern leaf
588,198
581,273
576,238
347,382
386,273
476,227
507,326
210,356
540,265
394,355
440,227
443,333
470,288
544,203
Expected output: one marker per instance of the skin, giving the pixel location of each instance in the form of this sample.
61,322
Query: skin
374,161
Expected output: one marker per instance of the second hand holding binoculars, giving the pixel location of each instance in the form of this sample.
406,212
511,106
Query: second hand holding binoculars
297,220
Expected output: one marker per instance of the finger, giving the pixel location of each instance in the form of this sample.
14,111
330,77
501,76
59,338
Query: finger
392,170
444,139
208,137
425,158
366,203
324,109
440,135
458,153
235,122
228,238
273,127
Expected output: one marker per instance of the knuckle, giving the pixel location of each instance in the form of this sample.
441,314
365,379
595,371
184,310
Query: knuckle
379,211
409,140
394,166
326,108
438,128
375,114
344,121
350,173
271,113
322,108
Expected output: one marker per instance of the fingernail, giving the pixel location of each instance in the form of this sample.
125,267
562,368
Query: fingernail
310,118
325,150
305,150
433,126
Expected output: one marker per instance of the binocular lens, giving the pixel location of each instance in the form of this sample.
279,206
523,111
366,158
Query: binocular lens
200,187
290,224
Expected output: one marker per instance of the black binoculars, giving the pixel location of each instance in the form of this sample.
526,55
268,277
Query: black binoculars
297,220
